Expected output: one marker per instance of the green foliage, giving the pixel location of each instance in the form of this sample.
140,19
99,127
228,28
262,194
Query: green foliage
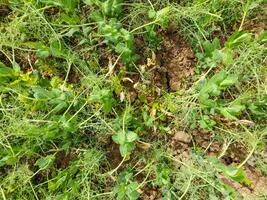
71,182
238,38
212,90
105,97
68,5
213,55
55,49
121,40
109,8
126,187
214,86
82,116
8,160
118,38
206,122
126,141
123,136
163,180
12,77
235,173
45,162
58,99
160,19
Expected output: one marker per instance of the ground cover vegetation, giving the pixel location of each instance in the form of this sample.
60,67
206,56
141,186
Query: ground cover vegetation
127,100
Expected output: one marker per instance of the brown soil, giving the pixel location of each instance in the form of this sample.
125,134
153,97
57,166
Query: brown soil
258,187
4,59
63,159
257,24
181,145
171,67
25,60
176,61
150,194
74,77
52,11
113,155
4,11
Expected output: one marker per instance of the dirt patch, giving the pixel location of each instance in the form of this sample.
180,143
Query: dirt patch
52,11
176,60
181,144
257,24
168,69
63,159
74,77
26,61
235,154
114,156
4,59
258,187
171,66
4,11
150,194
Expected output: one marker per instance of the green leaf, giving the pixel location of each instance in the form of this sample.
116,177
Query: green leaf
214,87
72,31
60,107
16,66
56,48
238,38
112,8
108,103
43,53
148,120
92,2
41,93
126,148
132,191
152,14
120,137
210,47
68,18
163,176
42,50
105,97
262,38
229,80
162,16
54,185
68,5
6,71
45,162
8,160
236,108
206,122
131,136
226,113
126,188
228,56
237,174
253,5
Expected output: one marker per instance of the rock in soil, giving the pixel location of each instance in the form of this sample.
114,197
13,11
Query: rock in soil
182,136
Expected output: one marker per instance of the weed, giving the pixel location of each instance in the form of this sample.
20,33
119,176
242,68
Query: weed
87,113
